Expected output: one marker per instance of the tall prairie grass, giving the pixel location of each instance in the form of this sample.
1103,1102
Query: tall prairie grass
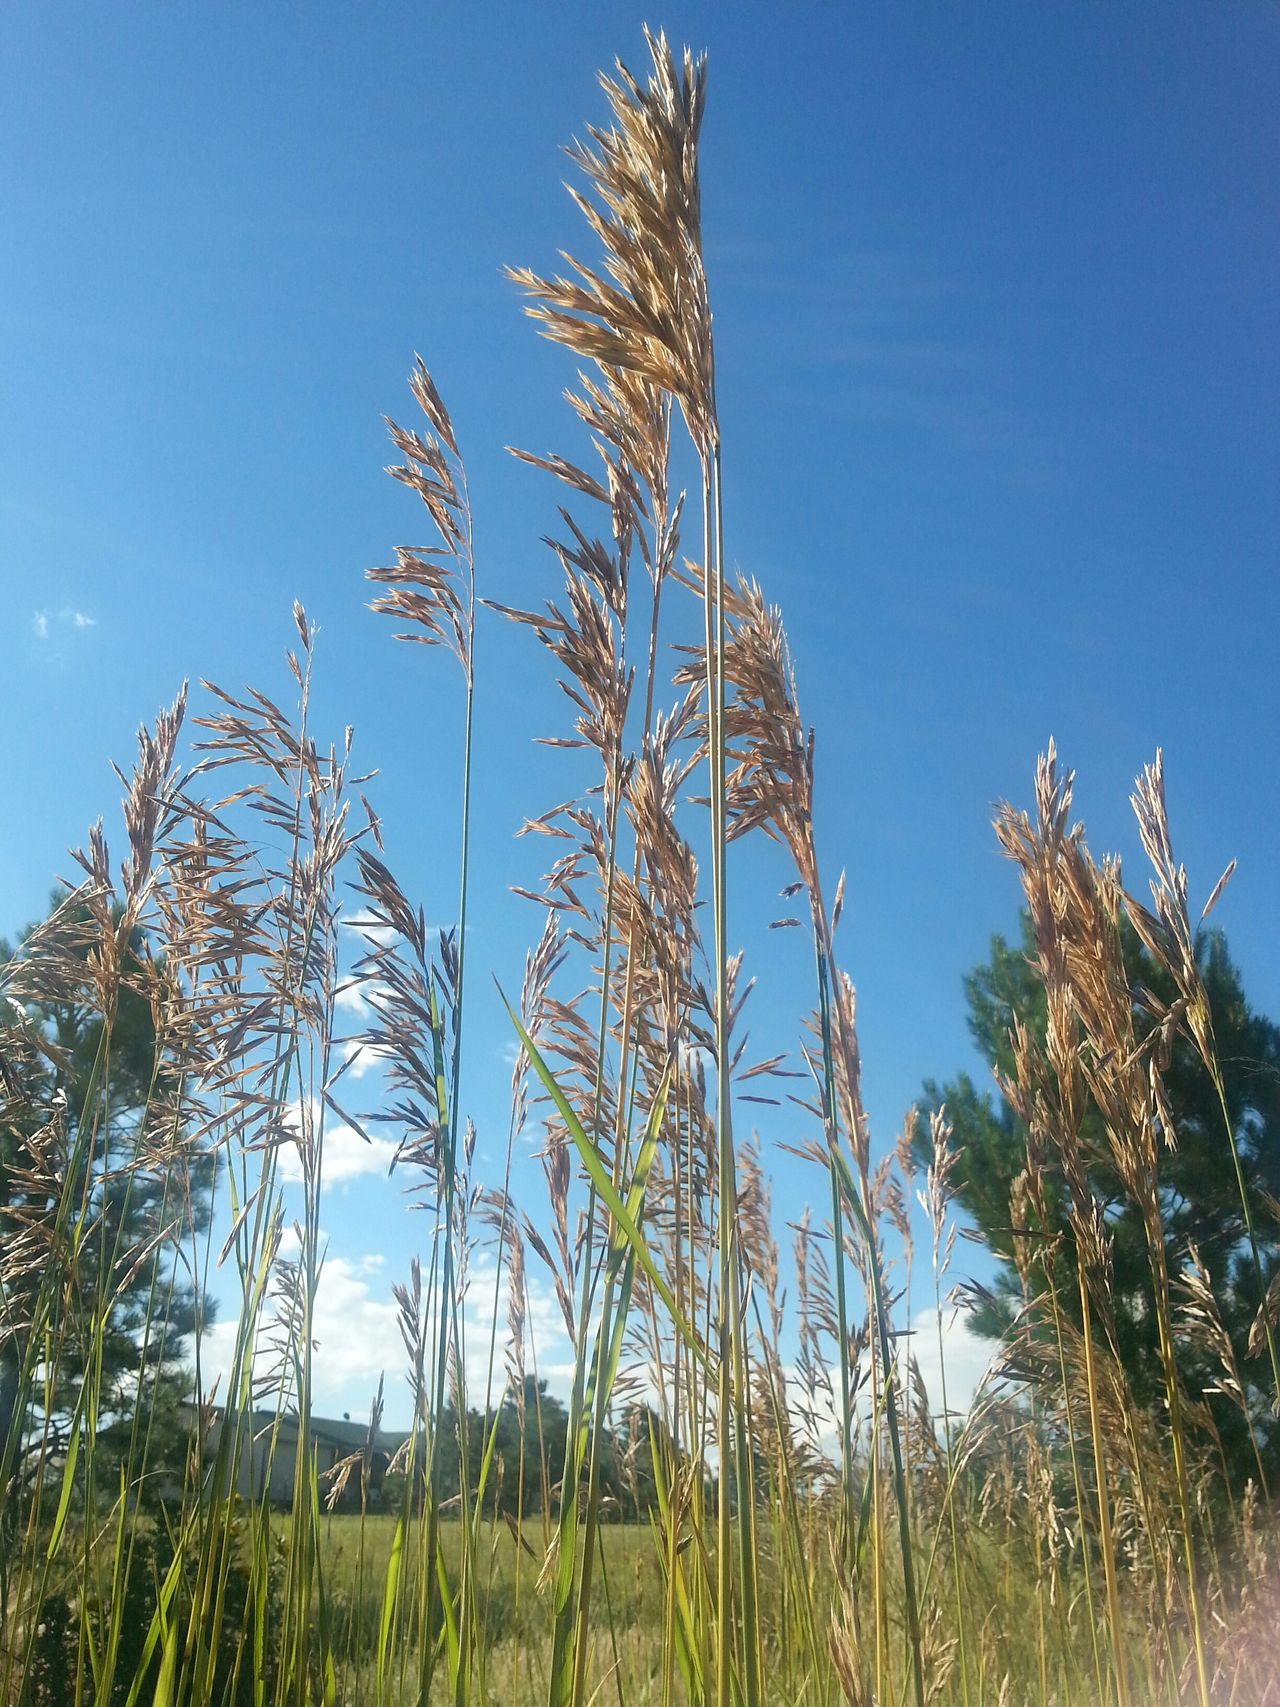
809,1523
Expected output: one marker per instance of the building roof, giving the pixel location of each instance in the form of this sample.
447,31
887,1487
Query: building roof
350,1436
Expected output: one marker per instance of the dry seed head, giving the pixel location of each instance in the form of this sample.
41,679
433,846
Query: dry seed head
1169,934
1267,1316
517,1315
432,587
648,312
939,1193
540,967
586,639
150,806
1203,1319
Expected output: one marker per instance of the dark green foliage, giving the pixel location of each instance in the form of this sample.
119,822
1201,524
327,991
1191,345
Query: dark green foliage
51,1674
1200,1202
125,1297
528,1463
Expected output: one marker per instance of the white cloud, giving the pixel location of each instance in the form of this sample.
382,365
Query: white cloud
352,999
970,1365
40,623
357,1329
357,1058
546,1343
357,1337
366,924
345,1154
348,1156
78,619
969,1359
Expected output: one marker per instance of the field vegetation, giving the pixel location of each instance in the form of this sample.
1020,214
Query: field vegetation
804,1522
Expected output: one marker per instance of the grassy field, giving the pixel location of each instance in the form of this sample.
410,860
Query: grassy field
512,1612
819,1528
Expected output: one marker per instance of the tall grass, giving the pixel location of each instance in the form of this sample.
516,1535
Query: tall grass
807,1527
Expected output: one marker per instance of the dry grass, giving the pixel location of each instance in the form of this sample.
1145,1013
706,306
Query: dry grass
817,1532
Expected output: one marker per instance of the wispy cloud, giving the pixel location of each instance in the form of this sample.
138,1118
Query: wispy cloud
369,927
45,622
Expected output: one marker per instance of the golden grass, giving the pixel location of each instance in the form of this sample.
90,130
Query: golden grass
814,1531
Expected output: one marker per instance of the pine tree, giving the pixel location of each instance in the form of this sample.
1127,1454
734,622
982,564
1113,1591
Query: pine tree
80,1169
1200,1200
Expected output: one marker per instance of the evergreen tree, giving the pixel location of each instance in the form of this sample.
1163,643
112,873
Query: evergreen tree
1200,1200
77,1110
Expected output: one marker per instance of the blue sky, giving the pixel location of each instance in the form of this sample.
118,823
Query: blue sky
995,301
